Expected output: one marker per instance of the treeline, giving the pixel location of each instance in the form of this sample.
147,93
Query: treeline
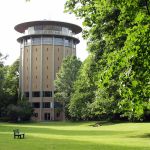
12,106
114,81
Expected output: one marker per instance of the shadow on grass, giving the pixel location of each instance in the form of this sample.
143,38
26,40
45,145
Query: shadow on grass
146,135
71,132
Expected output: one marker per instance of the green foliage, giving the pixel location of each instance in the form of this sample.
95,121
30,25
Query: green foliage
118,34
20,112
83,91
9,79
65,79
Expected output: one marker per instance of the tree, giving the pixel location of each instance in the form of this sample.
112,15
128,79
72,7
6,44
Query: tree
9,86
83,91
65,80
22,111
118,33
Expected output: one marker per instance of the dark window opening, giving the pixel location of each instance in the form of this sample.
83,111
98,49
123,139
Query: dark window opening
47,116
58,114
58,105
26,94
46,104
47,93
36,94
36,105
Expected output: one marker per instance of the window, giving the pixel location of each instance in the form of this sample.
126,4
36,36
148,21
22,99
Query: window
47,77
47,58
58,114
58,41
47,67
68,43
57,105
46,104
26,94
36,105
36,67
58,58
47,93
36,41
47,40
36,94
36,58
38,27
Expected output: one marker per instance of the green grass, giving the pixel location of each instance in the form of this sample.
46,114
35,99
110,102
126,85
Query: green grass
76,136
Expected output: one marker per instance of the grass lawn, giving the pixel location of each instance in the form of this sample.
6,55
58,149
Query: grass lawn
76,136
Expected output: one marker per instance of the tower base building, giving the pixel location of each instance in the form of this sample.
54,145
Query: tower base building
43,47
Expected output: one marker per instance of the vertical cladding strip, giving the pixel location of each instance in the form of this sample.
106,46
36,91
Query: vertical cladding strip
72,47
30,73
21,69
53,75
64,48
75,50
41,79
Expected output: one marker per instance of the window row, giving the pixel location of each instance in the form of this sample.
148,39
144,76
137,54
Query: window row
46,105
38,94
49,40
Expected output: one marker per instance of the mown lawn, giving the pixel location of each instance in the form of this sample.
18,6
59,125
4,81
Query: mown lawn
76,136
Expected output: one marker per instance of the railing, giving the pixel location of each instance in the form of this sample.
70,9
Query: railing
50,32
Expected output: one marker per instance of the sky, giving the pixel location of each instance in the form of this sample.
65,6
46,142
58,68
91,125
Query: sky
13,12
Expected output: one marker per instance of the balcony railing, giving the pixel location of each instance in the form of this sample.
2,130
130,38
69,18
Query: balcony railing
50,32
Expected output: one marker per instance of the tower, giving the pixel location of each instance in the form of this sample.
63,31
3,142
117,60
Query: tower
43,46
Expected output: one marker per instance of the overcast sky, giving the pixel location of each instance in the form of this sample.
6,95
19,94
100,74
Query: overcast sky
13,12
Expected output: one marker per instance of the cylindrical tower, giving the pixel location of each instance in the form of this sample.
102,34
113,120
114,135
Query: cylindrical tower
43,47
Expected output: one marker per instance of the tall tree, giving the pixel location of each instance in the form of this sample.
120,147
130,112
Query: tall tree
8,86
118,33
83,91
65,80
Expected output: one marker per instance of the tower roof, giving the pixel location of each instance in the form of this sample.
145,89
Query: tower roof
23,26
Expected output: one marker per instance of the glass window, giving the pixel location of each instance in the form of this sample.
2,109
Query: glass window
47,40
68,43
58,41
36,105
47,93
57,105
36,41
46,104
39,27
36,94
26,94
65,30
